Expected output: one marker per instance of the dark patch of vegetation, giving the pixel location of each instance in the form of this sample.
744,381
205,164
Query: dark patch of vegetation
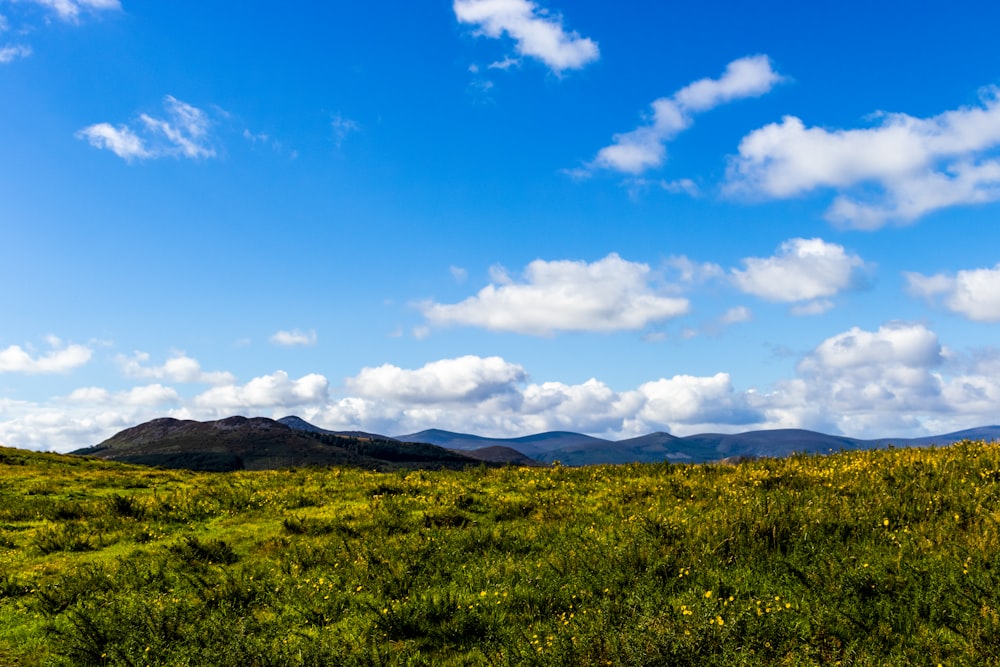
192,460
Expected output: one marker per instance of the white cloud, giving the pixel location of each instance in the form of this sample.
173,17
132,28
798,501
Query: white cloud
186,130
644,147
60,359
59,429
681,186
70,10
914,165
294,338
802,270
690,400
875,384
896,344
13,52
276,390
897,380
505,64
611,294
536,33
491,396
184,133
458,273
973,293
343,128
592,407
817,307
736,315
690,271
152,395
179,368
120,140
468,378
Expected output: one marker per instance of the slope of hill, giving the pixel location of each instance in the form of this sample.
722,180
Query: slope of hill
239,443
299,424
257,443
498,454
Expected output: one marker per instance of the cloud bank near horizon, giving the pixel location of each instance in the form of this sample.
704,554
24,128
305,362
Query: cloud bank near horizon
896,380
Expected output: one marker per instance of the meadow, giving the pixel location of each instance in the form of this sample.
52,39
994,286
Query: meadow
887,557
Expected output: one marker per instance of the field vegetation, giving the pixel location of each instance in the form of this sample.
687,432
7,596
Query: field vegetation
886,557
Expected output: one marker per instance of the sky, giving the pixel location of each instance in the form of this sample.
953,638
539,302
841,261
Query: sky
499,217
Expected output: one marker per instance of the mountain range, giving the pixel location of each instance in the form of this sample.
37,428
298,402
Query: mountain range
237,443
576,449
257,443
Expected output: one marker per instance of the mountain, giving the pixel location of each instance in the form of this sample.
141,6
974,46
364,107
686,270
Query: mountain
257,443
299,424
531,445
576,449
499,454
241,443
988,433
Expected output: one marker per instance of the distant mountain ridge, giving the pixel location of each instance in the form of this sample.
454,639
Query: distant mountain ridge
576,449
237,443
258,443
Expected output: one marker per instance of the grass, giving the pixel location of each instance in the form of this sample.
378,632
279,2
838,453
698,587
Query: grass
886,557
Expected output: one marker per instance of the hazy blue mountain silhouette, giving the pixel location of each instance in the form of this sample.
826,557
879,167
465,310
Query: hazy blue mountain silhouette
577,449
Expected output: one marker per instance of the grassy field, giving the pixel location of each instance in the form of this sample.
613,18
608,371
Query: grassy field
864,558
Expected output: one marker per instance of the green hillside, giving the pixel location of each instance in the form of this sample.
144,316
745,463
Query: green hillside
884,557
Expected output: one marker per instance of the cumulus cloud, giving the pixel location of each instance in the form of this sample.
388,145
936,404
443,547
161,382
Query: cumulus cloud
149,395
184,132
449,380
644,147
294,338
179,368
611,294
801,270
60,429
691,400
276,390
735,315
13,52
491,396
972,293
896,380
874,384
70,10
691,271
536,32
895,172
60,359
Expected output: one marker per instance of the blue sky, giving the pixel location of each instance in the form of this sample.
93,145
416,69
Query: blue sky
499,216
